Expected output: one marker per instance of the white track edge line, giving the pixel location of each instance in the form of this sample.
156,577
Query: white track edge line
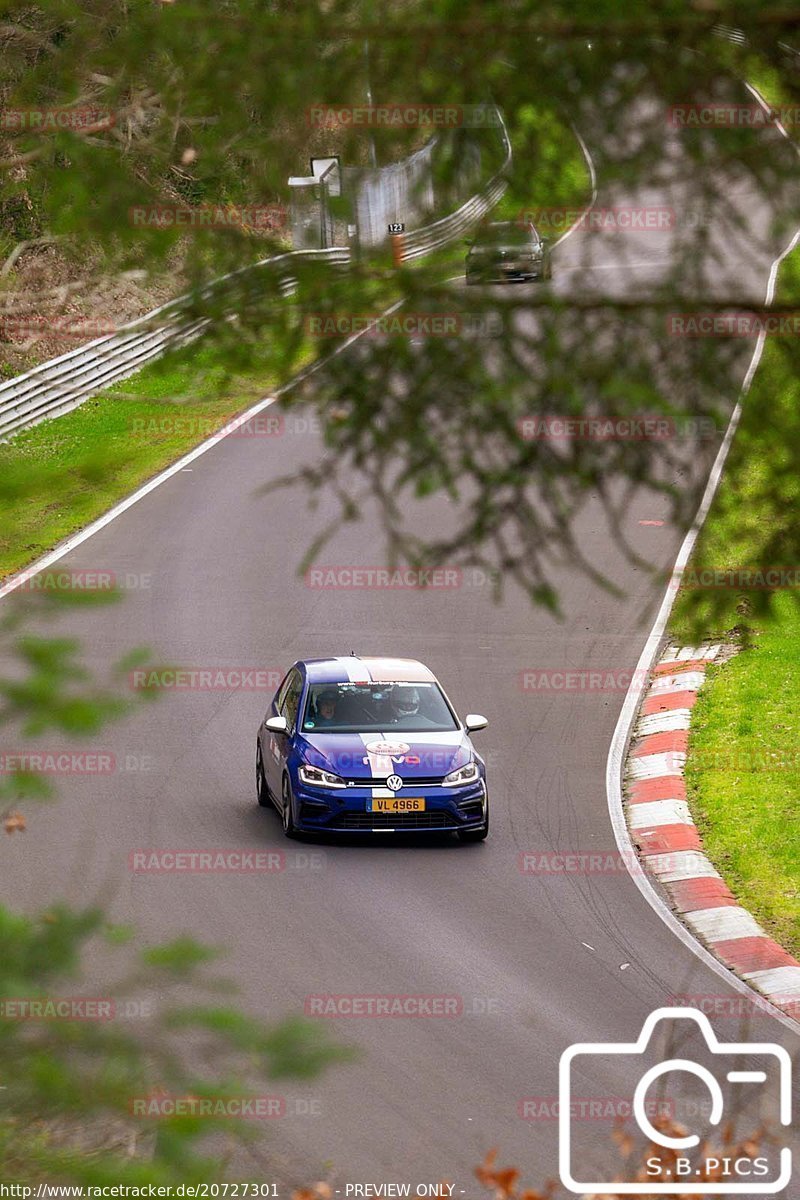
592,179
76,539
633,697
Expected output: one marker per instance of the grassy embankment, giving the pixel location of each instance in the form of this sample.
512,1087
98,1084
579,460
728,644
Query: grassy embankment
743,772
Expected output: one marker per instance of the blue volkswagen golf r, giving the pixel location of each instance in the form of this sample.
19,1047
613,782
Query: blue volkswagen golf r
370,745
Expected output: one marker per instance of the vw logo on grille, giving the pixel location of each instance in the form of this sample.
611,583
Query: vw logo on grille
394,782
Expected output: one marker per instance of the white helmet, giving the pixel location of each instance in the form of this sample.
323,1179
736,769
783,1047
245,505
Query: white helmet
405,701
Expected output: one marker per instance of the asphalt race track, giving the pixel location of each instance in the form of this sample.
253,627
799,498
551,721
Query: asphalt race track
537,961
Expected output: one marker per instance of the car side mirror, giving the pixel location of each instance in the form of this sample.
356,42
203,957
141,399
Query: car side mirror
276,724
474,721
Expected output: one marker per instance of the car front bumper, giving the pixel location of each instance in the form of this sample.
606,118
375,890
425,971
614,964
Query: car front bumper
345,810
498,272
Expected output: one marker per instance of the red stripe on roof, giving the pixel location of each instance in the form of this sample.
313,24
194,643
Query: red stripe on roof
397,670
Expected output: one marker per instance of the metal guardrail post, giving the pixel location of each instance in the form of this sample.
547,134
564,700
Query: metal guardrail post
398,242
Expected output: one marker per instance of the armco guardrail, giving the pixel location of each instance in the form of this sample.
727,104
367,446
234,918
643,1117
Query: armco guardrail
57,386
731,34
454,225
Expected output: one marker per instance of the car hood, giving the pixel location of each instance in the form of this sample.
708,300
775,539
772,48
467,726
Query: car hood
376,755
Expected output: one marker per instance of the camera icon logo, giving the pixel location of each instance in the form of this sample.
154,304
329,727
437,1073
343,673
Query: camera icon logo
678,1172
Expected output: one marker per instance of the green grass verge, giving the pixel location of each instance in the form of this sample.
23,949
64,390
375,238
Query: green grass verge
549,172
743,770
60,475
743,774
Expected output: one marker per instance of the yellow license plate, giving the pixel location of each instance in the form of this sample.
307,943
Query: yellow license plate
396,804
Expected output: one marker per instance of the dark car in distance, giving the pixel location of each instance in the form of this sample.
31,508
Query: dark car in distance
506,250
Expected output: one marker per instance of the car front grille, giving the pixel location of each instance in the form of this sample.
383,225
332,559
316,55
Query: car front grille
417,781
412,820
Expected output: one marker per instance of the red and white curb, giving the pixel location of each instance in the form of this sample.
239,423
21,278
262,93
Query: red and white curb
668,842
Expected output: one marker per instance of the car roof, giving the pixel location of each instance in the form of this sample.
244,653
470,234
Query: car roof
499,228
348,668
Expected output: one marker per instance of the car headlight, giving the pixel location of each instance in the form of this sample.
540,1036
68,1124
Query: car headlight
467,774
319,778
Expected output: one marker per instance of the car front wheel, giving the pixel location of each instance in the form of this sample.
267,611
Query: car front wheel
262,791
287,815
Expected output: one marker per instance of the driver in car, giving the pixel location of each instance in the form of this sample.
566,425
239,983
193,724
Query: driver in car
326,708
404,704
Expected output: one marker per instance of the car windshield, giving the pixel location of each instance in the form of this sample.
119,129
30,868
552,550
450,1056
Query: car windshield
506,234
375,707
